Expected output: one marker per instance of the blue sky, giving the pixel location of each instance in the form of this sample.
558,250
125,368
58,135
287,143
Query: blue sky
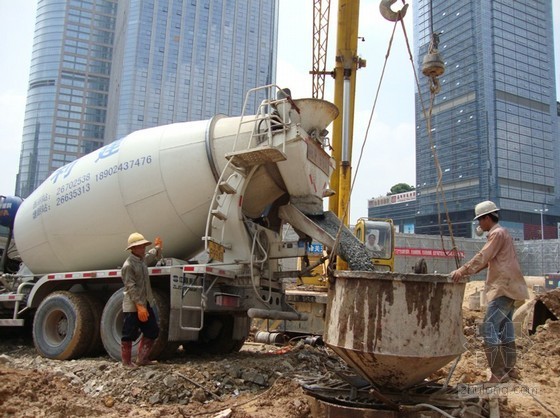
390,147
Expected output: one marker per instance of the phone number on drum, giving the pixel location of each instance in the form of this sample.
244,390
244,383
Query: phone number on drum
63,198
124,166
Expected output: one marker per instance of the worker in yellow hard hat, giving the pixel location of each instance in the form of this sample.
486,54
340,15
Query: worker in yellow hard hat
138,300
504,285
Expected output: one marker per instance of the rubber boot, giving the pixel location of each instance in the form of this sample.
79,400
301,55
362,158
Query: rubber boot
509,353
126,353
144,350
496,363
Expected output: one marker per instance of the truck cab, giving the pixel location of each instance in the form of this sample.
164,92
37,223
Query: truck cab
378,235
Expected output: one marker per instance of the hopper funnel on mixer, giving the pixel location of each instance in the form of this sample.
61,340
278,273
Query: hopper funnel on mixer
395,329
310,114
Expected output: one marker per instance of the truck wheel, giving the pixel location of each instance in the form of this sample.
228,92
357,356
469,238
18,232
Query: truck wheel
62,326
421,267
217,336
162,312
96,305
112,320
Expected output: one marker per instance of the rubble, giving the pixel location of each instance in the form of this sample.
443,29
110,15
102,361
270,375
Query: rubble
31,385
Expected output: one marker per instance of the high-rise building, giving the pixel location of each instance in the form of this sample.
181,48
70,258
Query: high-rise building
101,69
494,126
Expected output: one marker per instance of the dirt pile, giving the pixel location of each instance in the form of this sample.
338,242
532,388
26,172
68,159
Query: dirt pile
538,363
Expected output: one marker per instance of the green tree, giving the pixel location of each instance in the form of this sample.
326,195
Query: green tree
400,188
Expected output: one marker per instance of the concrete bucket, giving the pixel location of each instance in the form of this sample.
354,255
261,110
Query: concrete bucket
395,329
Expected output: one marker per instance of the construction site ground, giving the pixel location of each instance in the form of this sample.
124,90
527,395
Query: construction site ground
260,381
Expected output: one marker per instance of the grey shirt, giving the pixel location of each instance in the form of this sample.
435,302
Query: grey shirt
136,279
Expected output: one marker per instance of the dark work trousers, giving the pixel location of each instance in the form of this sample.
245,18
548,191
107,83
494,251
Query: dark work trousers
132,326
497,327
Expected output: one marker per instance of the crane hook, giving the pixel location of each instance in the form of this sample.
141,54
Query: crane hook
387,13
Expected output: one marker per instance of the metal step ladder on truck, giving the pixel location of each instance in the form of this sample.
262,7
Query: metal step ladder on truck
222,187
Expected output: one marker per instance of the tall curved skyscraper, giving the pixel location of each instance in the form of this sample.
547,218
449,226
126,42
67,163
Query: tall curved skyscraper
101,69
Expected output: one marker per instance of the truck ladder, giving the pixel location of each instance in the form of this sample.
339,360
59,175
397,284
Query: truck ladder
193,301
15,298
242,164
194,295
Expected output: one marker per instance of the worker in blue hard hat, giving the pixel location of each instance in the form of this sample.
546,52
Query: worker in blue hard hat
138,300
504,285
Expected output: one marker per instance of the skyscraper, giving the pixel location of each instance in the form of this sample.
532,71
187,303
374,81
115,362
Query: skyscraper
101,69
494,126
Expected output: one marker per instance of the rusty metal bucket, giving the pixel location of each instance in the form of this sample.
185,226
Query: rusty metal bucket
395,329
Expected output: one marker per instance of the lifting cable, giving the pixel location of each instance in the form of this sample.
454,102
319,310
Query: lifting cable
434,89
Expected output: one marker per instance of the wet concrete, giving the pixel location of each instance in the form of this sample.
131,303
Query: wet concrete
349,248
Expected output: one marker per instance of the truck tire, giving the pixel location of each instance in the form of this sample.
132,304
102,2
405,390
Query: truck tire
96,305
112,320
62,326
421,267
216,337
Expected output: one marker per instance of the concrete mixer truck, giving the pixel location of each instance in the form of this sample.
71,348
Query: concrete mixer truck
222,188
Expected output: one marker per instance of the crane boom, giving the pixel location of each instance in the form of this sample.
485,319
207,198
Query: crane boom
321,12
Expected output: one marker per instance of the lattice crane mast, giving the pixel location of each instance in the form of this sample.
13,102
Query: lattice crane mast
321,12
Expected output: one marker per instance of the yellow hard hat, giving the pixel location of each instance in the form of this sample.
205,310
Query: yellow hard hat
135,239
484,208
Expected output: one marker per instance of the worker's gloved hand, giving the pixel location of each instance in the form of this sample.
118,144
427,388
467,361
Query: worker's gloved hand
142,312
158,243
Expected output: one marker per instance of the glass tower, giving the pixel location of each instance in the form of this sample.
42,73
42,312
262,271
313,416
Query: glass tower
181,60
101,69
494,127
68,86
